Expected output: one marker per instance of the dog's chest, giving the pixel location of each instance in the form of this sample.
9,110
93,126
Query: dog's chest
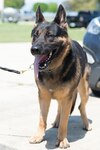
59,93
49,80
57,90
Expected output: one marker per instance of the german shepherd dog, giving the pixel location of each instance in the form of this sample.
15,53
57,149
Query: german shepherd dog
60,72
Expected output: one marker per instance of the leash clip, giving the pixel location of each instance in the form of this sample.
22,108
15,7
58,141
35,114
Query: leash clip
31,67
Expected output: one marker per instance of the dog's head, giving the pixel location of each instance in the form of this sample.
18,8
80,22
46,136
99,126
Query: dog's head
50,41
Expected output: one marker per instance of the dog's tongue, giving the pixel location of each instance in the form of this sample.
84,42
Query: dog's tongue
36,67
38,59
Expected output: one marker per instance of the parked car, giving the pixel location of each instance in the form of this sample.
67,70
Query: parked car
26,13
81,18
91,45
10,14
49,15
72,18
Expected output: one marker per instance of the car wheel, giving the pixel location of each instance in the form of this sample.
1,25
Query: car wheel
97,93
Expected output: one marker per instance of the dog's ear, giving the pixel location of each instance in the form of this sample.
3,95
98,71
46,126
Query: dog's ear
61,18
39,16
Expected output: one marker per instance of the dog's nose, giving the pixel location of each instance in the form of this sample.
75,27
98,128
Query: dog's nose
35,50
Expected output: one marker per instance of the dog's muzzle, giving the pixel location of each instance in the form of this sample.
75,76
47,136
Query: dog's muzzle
42,58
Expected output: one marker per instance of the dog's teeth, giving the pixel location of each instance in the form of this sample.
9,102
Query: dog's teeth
50,55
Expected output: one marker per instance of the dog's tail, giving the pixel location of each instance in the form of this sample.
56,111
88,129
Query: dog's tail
74,102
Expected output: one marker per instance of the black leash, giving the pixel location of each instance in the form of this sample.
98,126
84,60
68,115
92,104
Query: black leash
17,71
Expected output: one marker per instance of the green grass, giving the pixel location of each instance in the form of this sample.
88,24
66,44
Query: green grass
77,33
10,32
21,32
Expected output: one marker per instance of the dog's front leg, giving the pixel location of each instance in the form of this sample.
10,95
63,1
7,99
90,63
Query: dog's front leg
44,101
65,108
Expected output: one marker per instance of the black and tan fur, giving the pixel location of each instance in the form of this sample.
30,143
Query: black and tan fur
60,72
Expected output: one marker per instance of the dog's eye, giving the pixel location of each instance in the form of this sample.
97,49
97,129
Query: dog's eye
50,34
36,34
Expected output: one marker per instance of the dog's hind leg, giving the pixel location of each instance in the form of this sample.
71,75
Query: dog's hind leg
57,120
74,101
83,89
44,101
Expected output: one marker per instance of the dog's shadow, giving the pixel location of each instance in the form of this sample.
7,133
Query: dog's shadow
75,132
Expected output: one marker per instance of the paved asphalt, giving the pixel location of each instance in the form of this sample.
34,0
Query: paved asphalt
19,110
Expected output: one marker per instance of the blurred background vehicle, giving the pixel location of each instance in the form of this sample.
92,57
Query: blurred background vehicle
49,15
72,18
91,45
26,13
10,14
81,18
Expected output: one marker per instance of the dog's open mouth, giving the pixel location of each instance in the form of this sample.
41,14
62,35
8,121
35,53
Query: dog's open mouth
42,61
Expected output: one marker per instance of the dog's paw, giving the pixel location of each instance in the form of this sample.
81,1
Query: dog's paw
62,144
36,139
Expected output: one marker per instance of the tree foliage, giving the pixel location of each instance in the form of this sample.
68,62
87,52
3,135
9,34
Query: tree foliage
83,4
77,5
98,4
14,3
44,6
52,7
